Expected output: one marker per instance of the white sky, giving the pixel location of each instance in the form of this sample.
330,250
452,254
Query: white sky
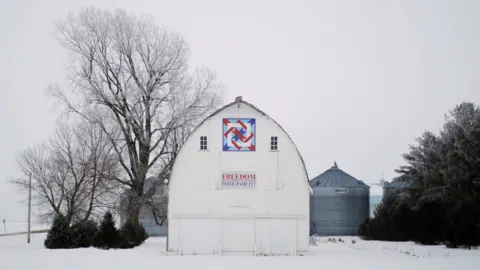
351,81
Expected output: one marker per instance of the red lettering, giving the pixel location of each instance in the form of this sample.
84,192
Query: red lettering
239,176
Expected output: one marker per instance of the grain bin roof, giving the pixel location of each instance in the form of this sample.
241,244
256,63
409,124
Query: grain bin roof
334,177
397,183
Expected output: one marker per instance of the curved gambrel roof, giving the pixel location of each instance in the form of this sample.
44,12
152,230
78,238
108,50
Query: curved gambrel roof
335,177
239,101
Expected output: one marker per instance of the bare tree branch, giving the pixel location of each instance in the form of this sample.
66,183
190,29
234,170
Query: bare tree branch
131,78
71,171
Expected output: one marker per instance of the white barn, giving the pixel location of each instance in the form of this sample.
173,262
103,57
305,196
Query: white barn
238,186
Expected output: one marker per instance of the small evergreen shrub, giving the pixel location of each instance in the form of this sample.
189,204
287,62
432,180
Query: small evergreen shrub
392,222
84,233
132,234
59,235
107,236
363,229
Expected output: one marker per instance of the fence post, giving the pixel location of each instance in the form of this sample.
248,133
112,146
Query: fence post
29,205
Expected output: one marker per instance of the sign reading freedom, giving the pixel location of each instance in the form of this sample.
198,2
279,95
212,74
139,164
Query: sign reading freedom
238,180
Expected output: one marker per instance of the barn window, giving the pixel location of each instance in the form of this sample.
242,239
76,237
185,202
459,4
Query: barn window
203,142
274,143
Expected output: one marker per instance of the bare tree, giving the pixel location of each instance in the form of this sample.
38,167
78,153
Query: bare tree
131,77
71,172
86,152
47,180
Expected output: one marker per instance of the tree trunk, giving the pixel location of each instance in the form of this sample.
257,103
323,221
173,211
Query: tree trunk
134,213
134,204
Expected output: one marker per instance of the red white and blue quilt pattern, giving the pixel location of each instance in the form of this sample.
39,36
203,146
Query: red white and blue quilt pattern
239,134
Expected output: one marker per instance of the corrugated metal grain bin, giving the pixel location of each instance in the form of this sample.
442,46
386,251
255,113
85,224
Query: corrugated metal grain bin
396,185
152,185
146,217
339,203
151,227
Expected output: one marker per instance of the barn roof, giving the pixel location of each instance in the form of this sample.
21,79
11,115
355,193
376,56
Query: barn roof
335,177
239,100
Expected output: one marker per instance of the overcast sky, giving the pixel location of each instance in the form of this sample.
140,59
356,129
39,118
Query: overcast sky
351,81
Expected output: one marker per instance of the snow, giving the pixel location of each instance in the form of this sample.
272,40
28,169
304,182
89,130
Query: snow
17,227
16,254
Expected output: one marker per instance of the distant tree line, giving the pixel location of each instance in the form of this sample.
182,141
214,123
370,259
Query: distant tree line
442,202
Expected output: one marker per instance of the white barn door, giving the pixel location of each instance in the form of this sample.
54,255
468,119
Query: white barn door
199,236
238,236
276,236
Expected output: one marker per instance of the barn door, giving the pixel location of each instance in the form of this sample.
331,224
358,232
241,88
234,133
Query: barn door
276,236
238,236
199,236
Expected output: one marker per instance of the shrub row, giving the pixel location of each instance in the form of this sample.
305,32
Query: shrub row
87,234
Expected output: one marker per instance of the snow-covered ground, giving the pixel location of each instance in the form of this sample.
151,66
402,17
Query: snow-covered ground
16,227
16,254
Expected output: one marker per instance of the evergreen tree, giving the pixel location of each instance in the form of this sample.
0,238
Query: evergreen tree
59,236
132,234
83,233
107,236
443,198
429,223
402,220
463,224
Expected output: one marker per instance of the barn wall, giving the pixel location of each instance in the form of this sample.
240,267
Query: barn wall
276,171
282,189
238,236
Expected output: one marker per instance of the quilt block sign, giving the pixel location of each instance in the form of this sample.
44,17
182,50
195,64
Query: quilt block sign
239,134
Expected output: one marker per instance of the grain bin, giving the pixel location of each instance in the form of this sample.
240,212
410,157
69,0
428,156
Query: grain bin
339,203
152,188
396,186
